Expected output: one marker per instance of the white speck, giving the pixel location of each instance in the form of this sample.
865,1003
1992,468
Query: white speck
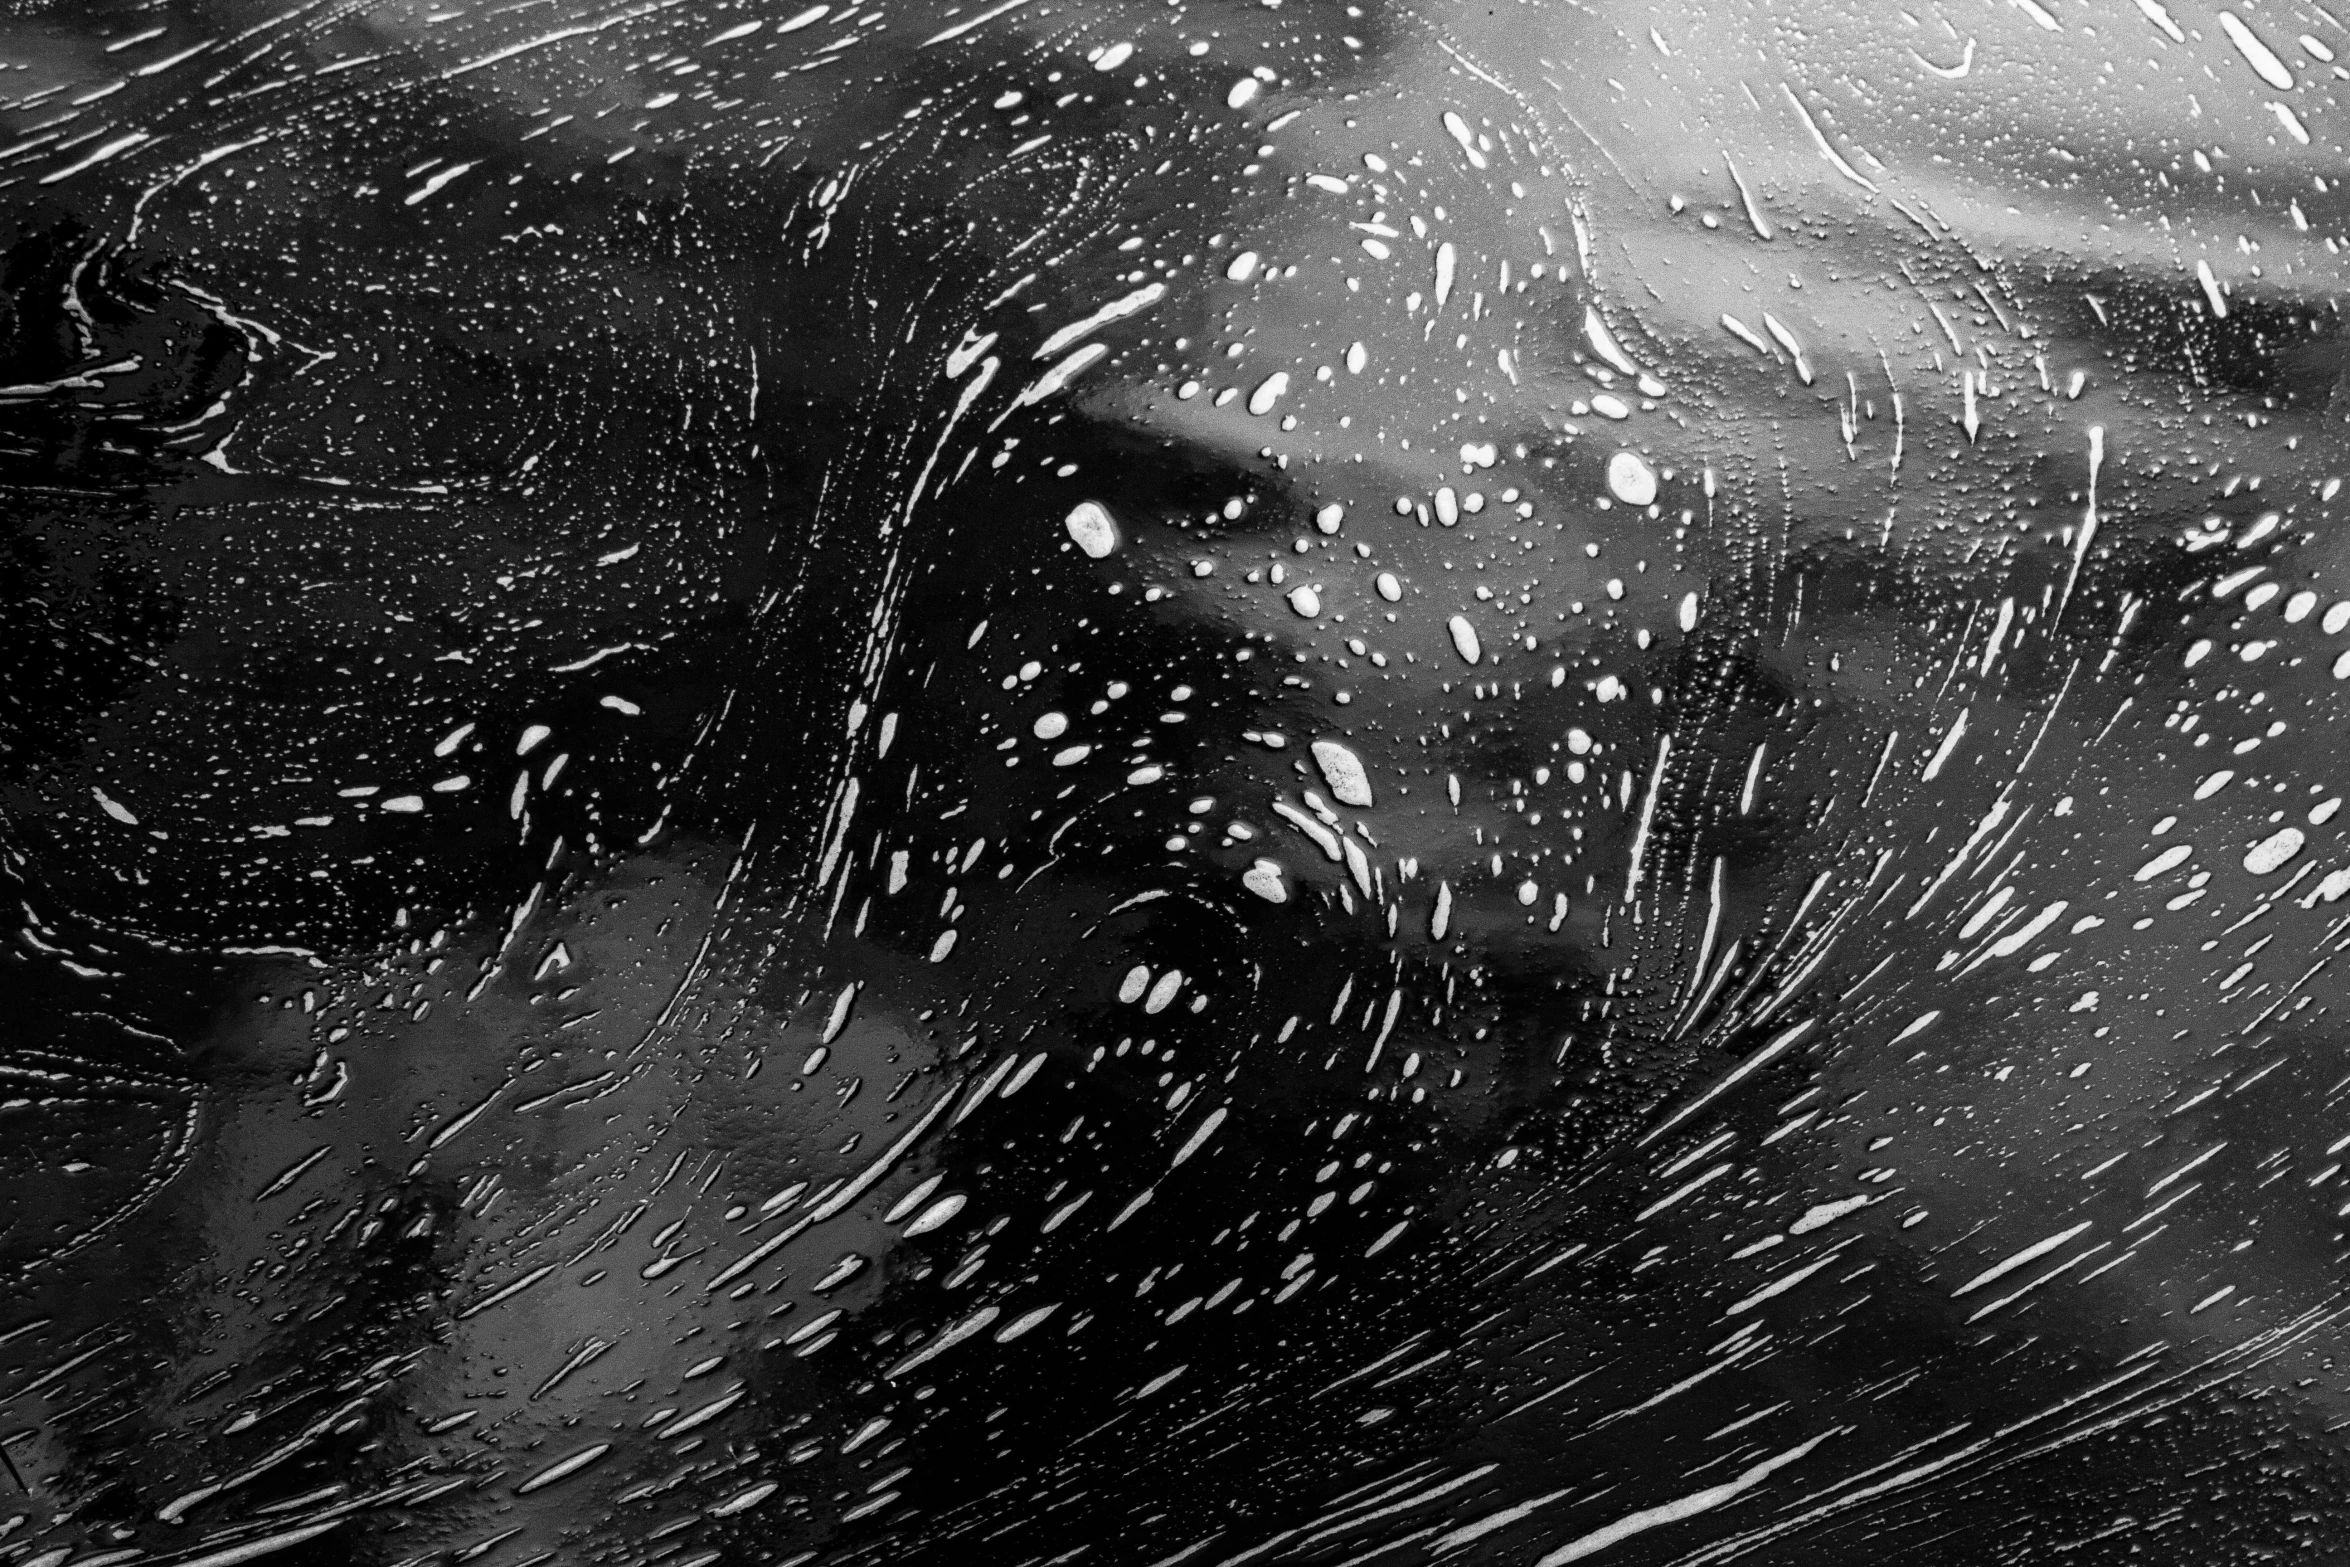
1241,267
1630,479
1441,920
1072,756
1611,406
1111,58
1137,980
2336,617
1305,601
1689,612
2273,851
1464,639
1389,589
1268,392
1329,517
1343,771
1265,880
1242,94
406,804
1091,529
1446,260
1357,356
1527,893
1051,726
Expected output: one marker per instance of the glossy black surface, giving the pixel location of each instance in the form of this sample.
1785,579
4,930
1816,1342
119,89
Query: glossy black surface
1172,783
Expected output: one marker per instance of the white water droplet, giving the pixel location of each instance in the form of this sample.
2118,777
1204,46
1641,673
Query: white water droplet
1265,880
937,1214
1630,479
1464,639
1162,994
1091,529
2273,851
1343,770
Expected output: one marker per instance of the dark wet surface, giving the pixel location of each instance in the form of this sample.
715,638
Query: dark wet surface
1199,784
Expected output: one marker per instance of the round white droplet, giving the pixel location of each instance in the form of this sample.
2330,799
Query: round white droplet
1689,612
1114,56
1527,893
1091,529
1329,517
1265,880
1630,479
1052,726
1137,980
1243,93
1579,742
1072,756
1464,639
1389,588
1343,771
1241,267
1357,356
1305,601
1448,506
1269,391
